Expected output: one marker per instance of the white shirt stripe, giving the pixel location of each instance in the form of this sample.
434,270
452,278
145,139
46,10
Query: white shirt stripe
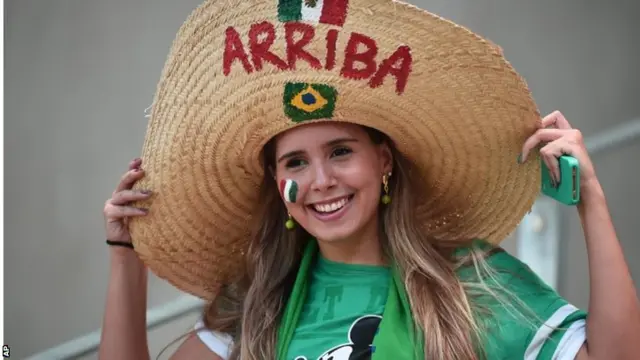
571,341
217,342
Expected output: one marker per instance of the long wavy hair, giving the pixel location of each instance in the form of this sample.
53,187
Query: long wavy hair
250,309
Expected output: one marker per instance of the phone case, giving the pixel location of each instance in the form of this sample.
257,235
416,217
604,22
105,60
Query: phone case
568,191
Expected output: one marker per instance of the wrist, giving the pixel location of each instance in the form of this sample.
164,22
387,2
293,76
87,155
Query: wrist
120,255
591,189
591,194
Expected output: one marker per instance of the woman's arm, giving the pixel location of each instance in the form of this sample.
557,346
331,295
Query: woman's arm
613,324
124,331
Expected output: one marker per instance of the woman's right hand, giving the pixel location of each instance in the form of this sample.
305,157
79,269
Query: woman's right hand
117,209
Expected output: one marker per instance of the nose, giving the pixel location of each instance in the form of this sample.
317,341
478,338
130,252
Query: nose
323,178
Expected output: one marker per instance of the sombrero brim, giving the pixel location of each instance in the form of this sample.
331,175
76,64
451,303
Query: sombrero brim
446,97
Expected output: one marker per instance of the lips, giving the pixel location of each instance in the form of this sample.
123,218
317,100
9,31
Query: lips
331,210
331,207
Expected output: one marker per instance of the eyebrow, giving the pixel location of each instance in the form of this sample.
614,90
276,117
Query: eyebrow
333,142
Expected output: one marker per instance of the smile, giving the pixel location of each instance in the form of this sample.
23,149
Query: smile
333,206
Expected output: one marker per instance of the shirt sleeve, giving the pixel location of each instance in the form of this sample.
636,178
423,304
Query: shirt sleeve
529,320
217,342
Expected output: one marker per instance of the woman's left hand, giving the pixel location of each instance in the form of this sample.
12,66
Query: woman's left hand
561,139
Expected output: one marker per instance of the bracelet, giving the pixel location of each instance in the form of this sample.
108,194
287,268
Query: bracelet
120,243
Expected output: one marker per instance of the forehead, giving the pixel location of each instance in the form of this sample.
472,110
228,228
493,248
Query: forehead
317,133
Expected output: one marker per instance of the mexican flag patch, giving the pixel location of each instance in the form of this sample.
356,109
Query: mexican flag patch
331,12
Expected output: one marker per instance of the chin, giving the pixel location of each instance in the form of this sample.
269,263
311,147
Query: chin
334,234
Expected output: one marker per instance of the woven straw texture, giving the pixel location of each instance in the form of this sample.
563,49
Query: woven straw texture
461,119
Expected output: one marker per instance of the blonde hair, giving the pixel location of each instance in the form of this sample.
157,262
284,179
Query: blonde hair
250,309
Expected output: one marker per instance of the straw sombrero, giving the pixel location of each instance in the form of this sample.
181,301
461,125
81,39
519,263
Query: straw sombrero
240,72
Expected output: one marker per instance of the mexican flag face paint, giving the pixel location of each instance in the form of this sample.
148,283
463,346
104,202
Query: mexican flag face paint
289,190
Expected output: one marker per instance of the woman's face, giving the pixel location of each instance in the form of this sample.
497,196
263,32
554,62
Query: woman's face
330,177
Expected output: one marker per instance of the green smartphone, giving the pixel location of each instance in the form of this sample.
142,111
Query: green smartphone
568,190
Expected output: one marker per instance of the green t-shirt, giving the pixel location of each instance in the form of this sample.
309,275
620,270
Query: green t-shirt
342,311
345,304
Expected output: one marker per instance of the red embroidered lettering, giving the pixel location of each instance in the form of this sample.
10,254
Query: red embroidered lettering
295,49
332,39
260,49
233,49
359,54
352,56
398,65
334,12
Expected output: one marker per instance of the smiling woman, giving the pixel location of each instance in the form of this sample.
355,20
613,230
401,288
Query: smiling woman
337,168
349,205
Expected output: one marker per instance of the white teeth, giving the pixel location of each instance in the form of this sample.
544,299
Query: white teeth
331,207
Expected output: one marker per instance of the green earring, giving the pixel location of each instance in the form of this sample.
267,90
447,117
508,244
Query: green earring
290,224
386,199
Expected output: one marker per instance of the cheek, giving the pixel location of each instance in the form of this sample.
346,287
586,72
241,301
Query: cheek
293,191
289,190
362,178
370,192
370,186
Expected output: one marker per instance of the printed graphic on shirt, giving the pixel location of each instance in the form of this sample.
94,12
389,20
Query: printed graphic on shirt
332,299
360,336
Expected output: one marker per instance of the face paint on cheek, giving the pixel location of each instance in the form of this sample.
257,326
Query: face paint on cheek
289,190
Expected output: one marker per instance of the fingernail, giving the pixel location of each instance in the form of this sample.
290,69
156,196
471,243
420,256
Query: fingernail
144,210
519,159
146,192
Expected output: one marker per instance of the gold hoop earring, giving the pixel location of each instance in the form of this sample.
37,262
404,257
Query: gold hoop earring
386,199
290,224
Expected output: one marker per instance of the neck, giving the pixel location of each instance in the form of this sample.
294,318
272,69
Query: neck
363,248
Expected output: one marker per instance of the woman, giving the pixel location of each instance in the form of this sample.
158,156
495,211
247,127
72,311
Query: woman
349,205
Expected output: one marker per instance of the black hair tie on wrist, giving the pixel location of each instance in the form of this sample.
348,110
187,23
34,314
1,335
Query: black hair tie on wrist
120,243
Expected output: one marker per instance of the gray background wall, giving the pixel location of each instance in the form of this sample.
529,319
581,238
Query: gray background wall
79,74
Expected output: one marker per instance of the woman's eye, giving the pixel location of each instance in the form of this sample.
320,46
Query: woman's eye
341,152
295,163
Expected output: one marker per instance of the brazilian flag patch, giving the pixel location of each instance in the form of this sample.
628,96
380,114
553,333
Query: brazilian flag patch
304,101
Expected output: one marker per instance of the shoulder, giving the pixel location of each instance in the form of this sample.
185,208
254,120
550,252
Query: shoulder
503,271
204,343
521,314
